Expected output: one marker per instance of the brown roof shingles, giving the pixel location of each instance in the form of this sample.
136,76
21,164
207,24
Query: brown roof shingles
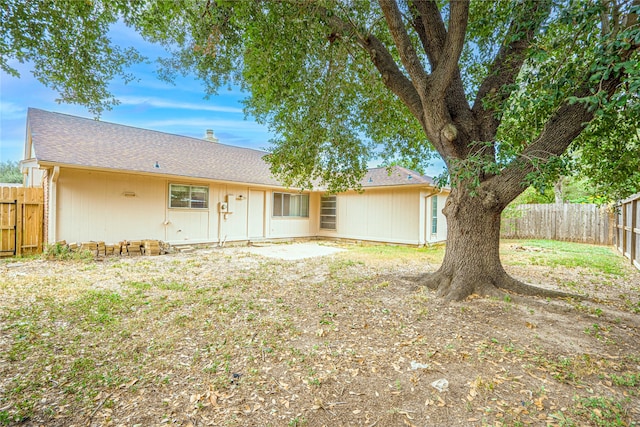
382,177
75,141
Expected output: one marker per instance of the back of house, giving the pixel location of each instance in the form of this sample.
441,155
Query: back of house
109,182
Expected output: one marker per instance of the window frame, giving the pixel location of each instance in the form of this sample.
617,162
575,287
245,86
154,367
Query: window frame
327,198
298,202
191,201
434,215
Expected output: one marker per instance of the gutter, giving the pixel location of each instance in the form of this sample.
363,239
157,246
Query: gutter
53,205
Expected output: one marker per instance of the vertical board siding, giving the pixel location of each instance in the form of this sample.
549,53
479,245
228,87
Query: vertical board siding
21,221
585,223
627,229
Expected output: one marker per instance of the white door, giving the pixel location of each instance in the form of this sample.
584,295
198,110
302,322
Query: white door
256,214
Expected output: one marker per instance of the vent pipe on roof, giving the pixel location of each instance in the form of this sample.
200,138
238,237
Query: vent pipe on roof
209,136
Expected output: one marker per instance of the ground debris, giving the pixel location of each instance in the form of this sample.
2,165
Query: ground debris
217,337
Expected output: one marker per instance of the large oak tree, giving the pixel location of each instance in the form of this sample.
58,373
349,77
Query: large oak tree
506,92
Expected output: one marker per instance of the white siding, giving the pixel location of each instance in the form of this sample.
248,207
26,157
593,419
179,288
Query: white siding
379,215
288,227
187,225
92,206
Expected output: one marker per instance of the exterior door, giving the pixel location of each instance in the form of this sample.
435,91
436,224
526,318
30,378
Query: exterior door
256,214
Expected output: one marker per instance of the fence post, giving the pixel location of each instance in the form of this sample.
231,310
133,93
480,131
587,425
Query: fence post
634,230
19,219
627,228
624,230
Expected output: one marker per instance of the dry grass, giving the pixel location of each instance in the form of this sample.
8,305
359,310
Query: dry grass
219,337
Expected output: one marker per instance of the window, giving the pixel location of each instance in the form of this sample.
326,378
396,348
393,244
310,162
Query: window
285,204
188,196
328,212
434,215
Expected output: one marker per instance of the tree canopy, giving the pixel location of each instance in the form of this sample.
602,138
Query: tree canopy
10,172
342,81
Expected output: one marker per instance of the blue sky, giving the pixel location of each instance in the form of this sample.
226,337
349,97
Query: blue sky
147,103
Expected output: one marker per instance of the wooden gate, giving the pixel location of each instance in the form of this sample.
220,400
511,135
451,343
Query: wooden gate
21,221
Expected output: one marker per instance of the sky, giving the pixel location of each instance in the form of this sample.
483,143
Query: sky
147,103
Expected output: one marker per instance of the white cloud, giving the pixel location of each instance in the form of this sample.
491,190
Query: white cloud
162,103
203,123
10,110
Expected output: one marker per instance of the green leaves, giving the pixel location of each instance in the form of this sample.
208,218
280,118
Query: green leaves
10,172
67,43
310,73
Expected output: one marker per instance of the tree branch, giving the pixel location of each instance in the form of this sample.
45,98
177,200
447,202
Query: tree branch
445,71
432,40
428,23
507,64
408,55
632,18
558,133
556,136
392,76
562,128
443,51
604,18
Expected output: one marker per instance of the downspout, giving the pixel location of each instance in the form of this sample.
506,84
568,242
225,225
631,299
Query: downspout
53,205
219,226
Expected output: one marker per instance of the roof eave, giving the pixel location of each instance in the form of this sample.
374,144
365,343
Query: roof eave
51,164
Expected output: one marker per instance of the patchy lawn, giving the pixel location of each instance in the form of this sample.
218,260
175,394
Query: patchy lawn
220,337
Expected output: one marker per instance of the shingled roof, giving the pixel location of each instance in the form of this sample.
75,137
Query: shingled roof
66,140
382,177
75,141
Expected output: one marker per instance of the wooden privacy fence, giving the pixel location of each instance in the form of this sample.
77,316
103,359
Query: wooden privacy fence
627,228
584,223
21,220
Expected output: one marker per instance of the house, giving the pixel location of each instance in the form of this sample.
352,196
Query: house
109,182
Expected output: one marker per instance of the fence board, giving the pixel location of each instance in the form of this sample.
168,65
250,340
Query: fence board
626,229
21,221
585,223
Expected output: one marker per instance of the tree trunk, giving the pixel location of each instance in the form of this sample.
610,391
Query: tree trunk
472,263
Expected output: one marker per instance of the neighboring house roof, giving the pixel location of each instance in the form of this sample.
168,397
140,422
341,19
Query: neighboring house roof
67,140
397,175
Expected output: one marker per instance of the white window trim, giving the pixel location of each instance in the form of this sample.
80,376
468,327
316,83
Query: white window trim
190,200
302,196
334,215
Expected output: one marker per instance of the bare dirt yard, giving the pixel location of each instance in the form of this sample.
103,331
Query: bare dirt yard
224,337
